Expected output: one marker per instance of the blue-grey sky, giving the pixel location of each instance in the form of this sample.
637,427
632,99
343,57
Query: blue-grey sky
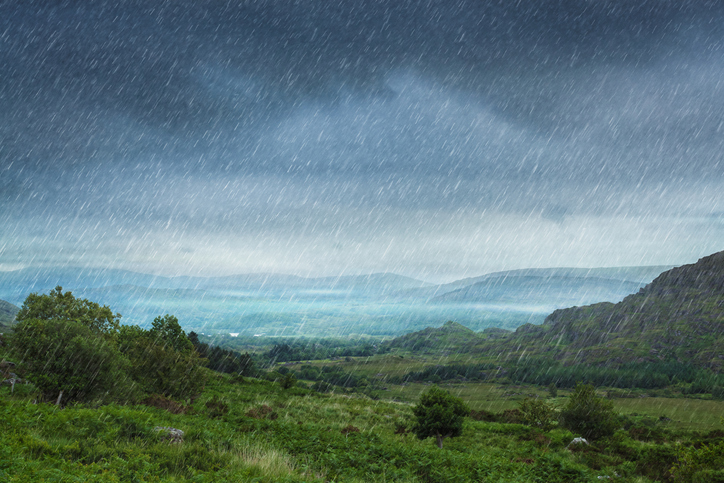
437,139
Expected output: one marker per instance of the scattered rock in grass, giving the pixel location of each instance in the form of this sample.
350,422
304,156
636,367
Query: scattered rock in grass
171,435
577,442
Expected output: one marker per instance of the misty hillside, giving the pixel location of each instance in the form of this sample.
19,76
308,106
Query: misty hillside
545,287
380,304
680,316
19,283
555,290
7,314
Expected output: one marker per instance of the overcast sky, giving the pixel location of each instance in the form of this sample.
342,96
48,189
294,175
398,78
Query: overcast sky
437,139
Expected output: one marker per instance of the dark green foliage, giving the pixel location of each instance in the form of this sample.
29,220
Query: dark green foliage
64,355
648,375
655,463
483,415
447,372
702,464
216,407
64,306
288,381
156,363
224,360
439,414
537,413
588,414
167,332
317,349
331,375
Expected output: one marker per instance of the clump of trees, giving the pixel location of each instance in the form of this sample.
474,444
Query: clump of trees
224,360
316,349
163,360
439,414
76,350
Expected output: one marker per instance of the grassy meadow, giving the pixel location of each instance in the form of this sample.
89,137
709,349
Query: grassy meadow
246,429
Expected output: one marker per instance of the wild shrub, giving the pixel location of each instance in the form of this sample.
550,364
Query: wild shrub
262,412
483,415
162,359
162,402
288,381
511,416
588,414
216,407
68,357
537,413
655,462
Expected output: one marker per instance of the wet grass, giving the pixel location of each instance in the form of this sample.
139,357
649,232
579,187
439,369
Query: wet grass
268,434
685,414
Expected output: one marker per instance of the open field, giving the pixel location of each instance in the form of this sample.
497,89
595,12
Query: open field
254,430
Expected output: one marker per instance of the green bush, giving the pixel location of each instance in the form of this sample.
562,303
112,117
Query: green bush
537,413
62,356
170,367
655,462
704,464
588,414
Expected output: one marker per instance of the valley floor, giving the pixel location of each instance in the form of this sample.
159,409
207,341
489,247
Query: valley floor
252,430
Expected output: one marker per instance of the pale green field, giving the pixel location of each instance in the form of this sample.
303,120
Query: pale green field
695,414
689,414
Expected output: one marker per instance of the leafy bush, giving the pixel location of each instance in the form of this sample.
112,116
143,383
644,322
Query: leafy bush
704,464
57,305
588,414
655,463
288,381
170,367
63,356
537,413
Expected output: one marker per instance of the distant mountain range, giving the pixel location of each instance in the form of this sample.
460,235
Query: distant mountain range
678,316
383,303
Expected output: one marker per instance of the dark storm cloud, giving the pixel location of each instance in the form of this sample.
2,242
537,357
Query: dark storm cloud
285,119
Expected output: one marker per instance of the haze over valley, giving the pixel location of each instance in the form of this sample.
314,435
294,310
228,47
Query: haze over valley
377,304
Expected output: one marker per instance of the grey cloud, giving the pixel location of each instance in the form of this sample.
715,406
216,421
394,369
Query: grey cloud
318,118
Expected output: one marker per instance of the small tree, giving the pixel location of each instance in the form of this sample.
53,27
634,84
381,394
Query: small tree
537,413
588,414
439,414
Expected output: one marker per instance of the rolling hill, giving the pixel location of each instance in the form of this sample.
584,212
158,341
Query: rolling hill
375,304
679,316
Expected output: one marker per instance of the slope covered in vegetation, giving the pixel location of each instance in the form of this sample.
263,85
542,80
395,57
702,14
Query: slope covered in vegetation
7,314
679,317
